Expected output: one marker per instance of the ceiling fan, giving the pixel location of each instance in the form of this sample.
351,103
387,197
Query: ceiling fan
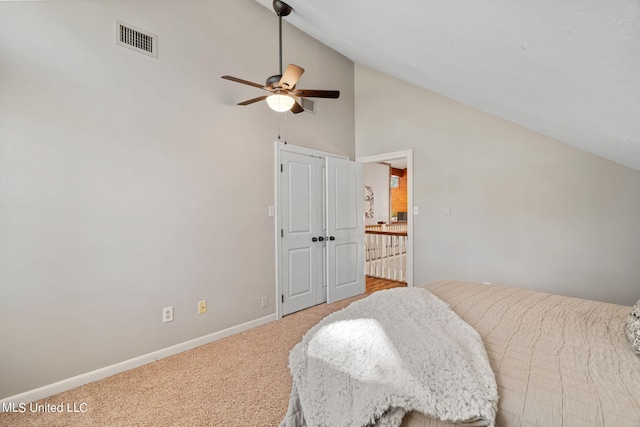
283,86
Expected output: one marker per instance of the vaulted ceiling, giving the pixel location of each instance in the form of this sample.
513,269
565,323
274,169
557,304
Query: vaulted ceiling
567,69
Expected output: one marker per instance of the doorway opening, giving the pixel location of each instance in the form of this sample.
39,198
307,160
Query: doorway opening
389,216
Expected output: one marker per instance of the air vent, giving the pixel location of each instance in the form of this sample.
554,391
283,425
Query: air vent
136,39
308,105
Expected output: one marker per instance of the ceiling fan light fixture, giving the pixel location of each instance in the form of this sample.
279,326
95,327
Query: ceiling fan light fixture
280,103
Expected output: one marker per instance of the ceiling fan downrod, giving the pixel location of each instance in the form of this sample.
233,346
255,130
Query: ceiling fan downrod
281,9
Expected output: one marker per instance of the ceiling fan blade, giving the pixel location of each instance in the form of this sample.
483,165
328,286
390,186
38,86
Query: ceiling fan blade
245,82
297,108
251,101
310,93
291,76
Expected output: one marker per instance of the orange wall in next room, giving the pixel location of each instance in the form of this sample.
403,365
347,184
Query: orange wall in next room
399,195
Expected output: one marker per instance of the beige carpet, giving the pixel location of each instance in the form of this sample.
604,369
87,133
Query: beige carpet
242,380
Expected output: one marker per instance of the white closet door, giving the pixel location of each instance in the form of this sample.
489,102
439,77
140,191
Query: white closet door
345,229
301,250
322,215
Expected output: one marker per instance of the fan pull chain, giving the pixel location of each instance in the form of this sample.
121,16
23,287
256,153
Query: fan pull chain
281,127
285,126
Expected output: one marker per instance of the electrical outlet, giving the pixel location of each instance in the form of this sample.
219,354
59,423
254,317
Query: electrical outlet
264,302
167,314
202,306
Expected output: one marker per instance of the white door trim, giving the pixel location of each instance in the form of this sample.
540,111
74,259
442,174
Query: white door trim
408,154
279,148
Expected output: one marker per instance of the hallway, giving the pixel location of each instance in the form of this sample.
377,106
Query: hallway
376,284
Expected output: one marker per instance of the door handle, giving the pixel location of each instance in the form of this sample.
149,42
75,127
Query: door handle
332,238
314,239
321,238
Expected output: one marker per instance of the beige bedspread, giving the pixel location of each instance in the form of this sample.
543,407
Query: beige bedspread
558,361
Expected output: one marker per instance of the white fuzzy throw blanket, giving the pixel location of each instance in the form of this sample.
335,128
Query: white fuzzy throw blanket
395,351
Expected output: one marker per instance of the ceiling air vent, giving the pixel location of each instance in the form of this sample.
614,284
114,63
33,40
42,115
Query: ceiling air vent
308,105
136,39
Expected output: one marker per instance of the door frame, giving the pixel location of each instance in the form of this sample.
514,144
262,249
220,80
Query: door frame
279,147
408,155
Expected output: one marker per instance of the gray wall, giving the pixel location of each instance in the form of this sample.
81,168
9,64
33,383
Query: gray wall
128,183
376,176
526,210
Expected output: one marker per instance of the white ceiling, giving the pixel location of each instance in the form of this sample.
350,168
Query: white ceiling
397,163
567,69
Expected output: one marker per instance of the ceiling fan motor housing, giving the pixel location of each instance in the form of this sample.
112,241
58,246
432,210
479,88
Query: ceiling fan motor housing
273,81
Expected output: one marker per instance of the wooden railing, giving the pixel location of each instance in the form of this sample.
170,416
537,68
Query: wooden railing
398,227
386,251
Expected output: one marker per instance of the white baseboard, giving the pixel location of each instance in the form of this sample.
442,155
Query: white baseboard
98,374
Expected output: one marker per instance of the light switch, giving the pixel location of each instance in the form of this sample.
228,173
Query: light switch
415,210
447,210
272,210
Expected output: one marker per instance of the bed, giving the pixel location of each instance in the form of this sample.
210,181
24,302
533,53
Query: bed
558,361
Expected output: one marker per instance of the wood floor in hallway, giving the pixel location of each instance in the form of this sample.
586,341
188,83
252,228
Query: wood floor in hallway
376,284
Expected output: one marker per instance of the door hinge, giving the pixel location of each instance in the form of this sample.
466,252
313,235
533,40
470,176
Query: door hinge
282,297
281,168
282,232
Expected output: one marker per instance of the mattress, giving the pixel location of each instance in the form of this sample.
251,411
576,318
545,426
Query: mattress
558,361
